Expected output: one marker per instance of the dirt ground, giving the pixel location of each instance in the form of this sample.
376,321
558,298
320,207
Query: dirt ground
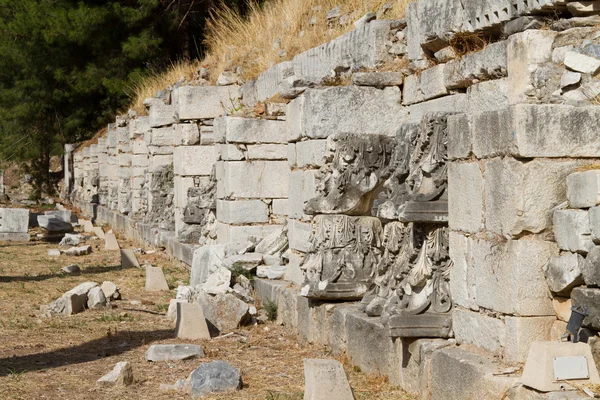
63,356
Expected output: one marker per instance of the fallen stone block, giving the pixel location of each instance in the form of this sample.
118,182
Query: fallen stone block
110,290
65,215
325,380
53,252
173,352
564,272
88,227
96,298
54,224
225,312
582,63
121,375
583,189
191,324
214,377
71,269
207,259
155,280
539,372
277,271
128,259
110,242
218,281
572,230
75,300
247,261
71,240
78,251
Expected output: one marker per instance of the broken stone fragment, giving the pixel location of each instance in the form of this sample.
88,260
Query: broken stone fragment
218,281
326,380
582,63
71,269
155,280
54,224
173,352
191,324
78,251
224,311
214,377
96,298
71,240
121,375
111,291
564,272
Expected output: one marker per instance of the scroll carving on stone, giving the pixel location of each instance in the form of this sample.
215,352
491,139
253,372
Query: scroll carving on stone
352,174
342,258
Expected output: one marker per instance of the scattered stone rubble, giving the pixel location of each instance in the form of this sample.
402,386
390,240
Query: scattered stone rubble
88,295
121,375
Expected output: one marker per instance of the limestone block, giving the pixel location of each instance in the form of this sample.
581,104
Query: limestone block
186,135
294,274
128,259
231,152
124,172
14,220
459,137
583,8
236,235
462,275
591,268
206,260
124,160
161,150
110,242
519,197
191,324
155,280
325,380
159,113
456,103
173,352
465,197
138,127
572,230
538,372
378,79
487,64
302,188
583,189
267,152
480,330
121,375
581,63
140,160
525,52
291,154
194,160
509,277
522,332
427,85
459,374
280,207
310,153
269,179
181,186
203,102
250,130
163,136
564,272
348,109
299,234
488,96
562,308
589,299
242,211
268,82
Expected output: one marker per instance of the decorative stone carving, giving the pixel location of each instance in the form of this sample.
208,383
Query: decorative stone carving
161,192
352,174
199,214
342,258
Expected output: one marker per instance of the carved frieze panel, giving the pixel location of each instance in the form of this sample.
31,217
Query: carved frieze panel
352,174
342,258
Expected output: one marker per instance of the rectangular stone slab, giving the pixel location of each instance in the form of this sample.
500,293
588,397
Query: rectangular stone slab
128,259
155,280
110,242
191,324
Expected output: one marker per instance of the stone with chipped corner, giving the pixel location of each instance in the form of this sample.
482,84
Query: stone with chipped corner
325,380
99,232
538,372
111,291
564,272
78,251
218,281
583,189
14,220
275,243
206,260
75,300
191,324
572,230
173,352
591,268
214,377
128,259
96,298
155,280
225,312
121,375
582,63
71,240
110,242
54,224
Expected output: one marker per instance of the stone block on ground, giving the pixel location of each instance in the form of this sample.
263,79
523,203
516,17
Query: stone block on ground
54,224
218,281
121,375
155,280
325,380
111,291
191,324
173,352
14,220
71,269
172,310
78,251
75,300
99,232
564,272
207,259
88,227
214,377
128,259
96,298
110,242
224,312
539,374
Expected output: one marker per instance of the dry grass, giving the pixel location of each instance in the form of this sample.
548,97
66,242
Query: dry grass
62,357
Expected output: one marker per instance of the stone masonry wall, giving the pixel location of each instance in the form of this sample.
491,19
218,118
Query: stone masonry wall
444,203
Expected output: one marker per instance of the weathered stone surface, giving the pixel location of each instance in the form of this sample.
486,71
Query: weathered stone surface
462,274
214,377
162,137
325,380
121,375
224,311
111,291
186,135
207,259
250,130
583,8
54,224
589,300
310,153
522,24
191,324
242,211
349,109
582,63
564,272
155,280
128,259
302,188
562,308
269,179
427,85
487,96
173,352
203,102
71,269
267,152
96,298
378,79
159,113
110,242
465,197
572,230
487,64
520,196
75,299
490,333
591,268
230,152
538,372
583,189
218,282
276,243
194,160
521,332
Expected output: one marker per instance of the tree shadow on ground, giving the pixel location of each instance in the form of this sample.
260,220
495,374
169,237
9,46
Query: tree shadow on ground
89,351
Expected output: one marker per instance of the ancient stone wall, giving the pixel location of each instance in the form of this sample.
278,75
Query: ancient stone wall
452,201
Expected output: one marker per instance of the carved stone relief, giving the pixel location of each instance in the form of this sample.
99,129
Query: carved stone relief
199,214
161,193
